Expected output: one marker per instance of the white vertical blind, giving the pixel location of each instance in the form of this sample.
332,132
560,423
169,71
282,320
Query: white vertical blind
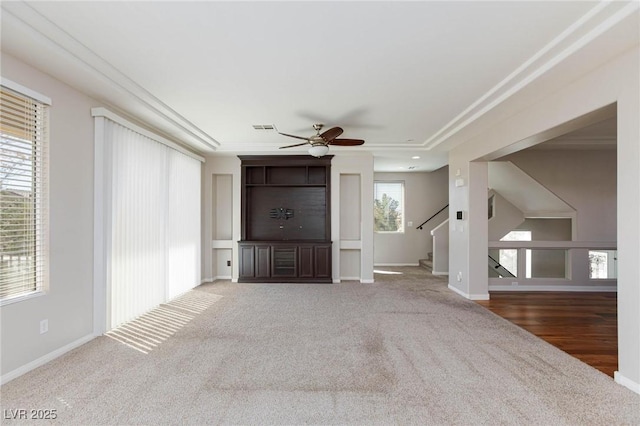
155,223
183,257
23,195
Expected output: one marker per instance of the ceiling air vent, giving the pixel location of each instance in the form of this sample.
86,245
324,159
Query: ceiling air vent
264,127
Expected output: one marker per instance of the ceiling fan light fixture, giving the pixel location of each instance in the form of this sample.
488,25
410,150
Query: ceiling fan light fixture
319,150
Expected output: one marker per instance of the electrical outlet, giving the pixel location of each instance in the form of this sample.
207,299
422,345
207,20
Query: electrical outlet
459,277
514,282
228,263
44,326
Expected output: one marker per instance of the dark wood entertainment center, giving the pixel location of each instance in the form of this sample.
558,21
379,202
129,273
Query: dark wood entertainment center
286,219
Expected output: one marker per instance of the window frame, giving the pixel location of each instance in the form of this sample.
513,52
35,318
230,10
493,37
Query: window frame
401,227
40,143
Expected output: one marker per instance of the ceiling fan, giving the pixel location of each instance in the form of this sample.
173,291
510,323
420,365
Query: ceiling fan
320,141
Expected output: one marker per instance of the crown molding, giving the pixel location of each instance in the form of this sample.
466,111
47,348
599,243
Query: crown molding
138,98
105,113
601,18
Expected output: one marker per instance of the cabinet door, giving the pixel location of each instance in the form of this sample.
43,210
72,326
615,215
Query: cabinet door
284,262
305,266
247,269
263,261
322,261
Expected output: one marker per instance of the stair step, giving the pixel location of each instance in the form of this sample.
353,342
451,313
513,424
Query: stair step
430,256
426,263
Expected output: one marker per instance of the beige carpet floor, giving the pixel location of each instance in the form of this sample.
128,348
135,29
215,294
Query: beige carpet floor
404,350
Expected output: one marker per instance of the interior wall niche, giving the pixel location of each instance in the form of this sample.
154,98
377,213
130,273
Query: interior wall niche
286,219
223,213
222,230
350,207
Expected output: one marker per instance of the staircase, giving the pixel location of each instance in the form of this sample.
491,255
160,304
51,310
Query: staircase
498,269
440,235
427,263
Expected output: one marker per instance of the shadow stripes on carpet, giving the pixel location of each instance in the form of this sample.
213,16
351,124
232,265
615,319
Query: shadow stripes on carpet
149,330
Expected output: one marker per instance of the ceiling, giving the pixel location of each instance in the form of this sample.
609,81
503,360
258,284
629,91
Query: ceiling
401,75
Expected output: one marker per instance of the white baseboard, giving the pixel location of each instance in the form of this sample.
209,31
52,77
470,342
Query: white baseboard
339,280
45,359
469,296
626,382
397,264
479,296
439,273
218,277
580,288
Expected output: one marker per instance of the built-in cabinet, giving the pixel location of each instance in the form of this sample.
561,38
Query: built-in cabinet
284,262
286,219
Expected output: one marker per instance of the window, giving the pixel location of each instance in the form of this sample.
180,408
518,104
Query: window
388,209
602,264
23,193
491,206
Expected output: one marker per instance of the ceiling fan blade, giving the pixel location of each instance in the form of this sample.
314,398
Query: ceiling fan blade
294,136
291,146
346,142
331,134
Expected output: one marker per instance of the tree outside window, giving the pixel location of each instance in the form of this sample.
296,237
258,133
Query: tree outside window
388,207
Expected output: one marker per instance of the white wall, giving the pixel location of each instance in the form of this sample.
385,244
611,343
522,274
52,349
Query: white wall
505,218
616,81
424,194
586,179
547,229
68,304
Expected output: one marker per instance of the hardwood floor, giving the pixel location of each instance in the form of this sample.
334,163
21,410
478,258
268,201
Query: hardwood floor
581,324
